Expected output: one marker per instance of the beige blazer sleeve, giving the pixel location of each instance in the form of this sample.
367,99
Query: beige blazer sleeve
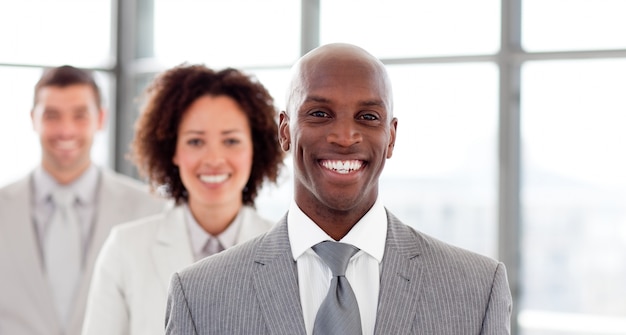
129,290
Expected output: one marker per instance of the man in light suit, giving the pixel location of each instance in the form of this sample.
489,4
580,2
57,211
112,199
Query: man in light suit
340,129
67,113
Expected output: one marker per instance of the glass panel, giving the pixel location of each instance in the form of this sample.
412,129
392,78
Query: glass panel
399,28
574,198
273,200
42,32
20,144
443,173
227,33
550,25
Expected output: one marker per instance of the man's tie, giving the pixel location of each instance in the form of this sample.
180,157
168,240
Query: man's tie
63,252
339,312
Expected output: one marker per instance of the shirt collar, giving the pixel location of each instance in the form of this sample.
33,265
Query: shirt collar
368,234
199,236
84,187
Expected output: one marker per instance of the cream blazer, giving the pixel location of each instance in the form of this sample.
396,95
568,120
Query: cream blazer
129,290
26,305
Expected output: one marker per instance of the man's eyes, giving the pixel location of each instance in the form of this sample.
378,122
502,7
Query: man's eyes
318,113
368,117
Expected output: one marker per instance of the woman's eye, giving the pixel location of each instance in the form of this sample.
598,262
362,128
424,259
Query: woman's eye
194,142
232,141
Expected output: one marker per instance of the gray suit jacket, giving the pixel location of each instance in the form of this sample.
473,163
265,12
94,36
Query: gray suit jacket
26,305
426,287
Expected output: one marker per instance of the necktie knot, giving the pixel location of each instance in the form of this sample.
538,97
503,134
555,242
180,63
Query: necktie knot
211,247
63,198
336,255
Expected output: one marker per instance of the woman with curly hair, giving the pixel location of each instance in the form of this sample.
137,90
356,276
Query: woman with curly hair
208,140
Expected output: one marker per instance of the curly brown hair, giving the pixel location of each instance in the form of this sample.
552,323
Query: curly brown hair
166,100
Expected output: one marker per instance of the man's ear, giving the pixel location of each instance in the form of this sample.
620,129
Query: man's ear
32,119
284,137
392,137
102,115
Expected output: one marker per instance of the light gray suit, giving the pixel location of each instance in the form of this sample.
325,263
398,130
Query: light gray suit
427,287
26,305
129,288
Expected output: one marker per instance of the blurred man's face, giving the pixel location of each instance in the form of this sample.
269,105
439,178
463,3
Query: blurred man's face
66,120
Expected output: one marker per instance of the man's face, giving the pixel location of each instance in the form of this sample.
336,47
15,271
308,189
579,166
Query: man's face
66,120
340,131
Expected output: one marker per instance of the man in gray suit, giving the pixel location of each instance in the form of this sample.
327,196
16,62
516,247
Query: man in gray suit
340,130
47,253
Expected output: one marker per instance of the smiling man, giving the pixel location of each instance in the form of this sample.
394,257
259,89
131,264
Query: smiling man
339,262
48,245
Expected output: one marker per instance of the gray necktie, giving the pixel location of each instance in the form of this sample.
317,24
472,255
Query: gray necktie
62,252
339,312
212,246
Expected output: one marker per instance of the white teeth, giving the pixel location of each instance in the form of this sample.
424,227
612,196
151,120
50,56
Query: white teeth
343,166
66,145
214,178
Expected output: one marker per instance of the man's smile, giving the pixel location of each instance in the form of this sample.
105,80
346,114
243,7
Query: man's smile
343,166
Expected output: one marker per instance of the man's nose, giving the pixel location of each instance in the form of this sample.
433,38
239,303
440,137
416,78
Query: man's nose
344,133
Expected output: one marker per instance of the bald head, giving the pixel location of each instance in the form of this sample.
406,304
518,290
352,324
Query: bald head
322,65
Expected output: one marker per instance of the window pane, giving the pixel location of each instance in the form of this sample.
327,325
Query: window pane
399,28
574,197
227,33
550,25
273,200
42,32
20,144
442,176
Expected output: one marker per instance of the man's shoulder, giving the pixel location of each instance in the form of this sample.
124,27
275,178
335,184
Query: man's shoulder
18,185
123,181
130,189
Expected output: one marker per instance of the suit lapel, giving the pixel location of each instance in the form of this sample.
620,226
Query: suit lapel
400,280
171,248
23,241
104,220
276,282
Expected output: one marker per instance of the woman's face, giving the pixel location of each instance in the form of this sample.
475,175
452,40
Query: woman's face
214,151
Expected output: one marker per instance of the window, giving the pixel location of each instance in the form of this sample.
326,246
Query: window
574,197
442,177
556,25
227,33
35,34
398,28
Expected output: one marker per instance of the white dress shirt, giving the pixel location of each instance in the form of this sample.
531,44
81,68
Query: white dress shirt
84,187
363,272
